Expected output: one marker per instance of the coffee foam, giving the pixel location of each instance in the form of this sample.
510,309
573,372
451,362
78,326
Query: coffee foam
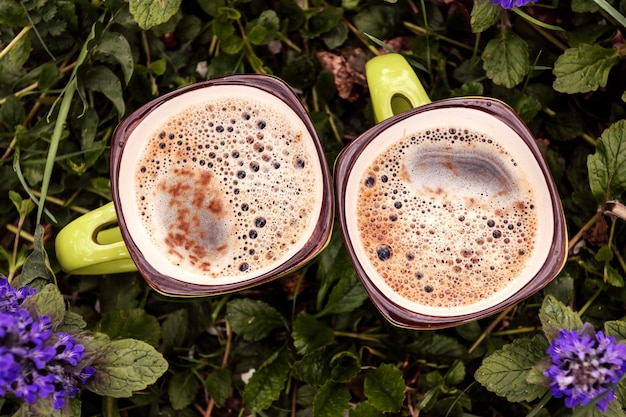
444,220
223,185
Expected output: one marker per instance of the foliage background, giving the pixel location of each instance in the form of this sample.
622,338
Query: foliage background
70,70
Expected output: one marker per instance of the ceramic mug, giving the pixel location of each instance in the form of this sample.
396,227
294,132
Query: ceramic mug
217,186
447,209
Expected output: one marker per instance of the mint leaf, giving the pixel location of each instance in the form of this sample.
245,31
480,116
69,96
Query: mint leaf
505,59
484,15
504,372
122,366
135,323
583,69
72,322
48,302
263,30
174,328
218,385
345,366
331,400
253,319
149,13
438,347
385,388
309,334
607,166
615,328
365,409
555,316
314,367
182,389
267,383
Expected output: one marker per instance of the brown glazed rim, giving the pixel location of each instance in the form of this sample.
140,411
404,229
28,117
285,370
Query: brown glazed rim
401,316
170,285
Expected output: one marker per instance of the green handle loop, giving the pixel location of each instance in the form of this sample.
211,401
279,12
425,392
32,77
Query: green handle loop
84,247
394,87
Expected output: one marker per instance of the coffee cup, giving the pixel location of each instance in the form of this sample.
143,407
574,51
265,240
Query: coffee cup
217,186
447,209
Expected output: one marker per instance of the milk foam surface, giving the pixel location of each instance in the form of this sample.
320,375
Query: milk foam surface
446,217
227,189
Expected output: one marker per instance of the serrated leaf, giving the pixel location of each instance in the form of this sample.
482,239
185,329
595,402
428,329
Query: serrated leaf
385,388
149,13
218,385
12,112
583,69
607,166
555,316
310,334
314,367
253,319
13,14
116,46
615,328
345,366
263,30
438,347
504,372
20,51
365,409
267,383
378,20
102,79
331,400
174,328
484,15
182,389
72,322
134,323
505,59
123,366
48,301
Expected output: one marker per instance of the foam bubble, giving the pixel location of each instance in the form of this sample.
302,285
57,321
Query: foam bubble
442,220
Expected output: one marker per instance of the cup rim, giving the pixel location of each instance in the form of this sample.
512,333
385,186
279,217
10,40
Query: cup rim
401,316
170,285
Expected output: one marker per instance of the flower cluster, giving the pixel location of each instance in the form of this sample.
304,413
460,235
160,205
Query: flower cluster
509,4
585,365
36,362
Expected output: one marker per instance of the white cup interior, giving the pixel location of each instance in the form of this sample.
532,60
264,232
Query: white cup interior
526,173
148,235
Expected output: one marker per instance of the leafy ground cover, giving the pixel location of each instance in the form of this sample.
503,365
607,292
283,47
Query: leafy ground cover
311,343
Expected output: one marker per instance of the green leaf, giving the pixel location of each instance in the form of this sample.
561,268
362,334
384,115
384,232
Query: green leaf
12,112
263,30
13,14
607,166
584,6
48,302
218,385
182,389
20,51
583,69
24,207
345,366
615,328
331,400
135,323
435,346
253,319
72,322
504,372
604,254
612,276
385,388
102,79
455,375
122,366
310,334
365,409
174,329
484,15
555,316
505,59
158,67
149,13
565,126
378,20
267,383
37,266
325,19
314,367
116,46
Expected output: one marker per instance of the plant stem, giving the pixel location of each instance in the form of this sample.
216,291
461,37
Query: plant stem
540,405
361,336
520,330
590,301
490,328
360,37
15,40
418,30
23,234
573,241
611,11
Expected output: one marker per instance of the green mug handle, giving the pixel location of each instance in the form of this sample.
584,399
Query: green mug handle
85,247
394,87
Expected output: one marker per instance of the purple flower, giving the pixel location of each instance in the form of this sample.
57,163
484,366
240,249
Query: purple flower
585,365
36,362
509,4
